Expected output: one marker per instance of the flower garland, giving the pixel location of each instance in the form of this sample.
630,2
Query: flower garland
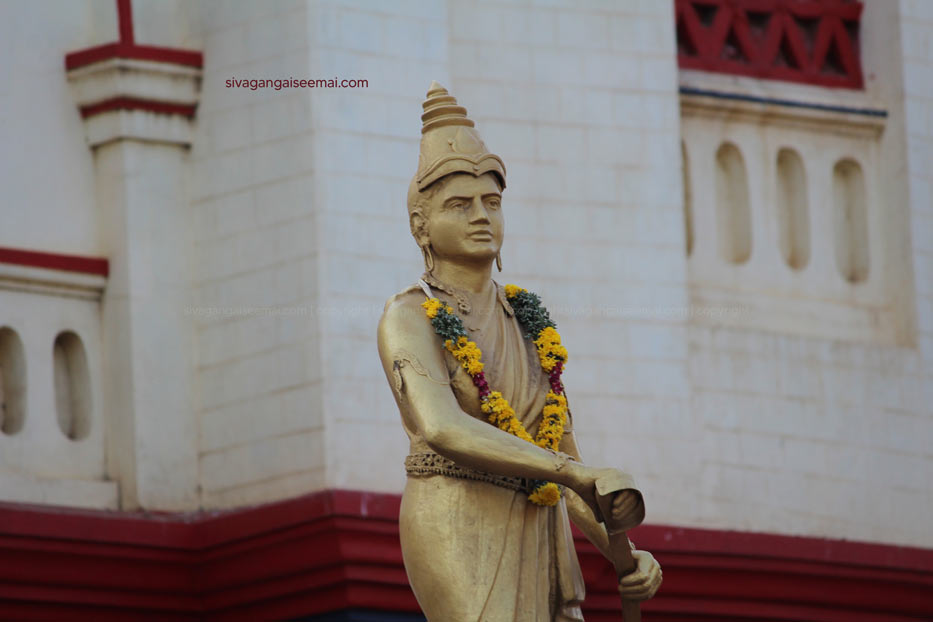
539,327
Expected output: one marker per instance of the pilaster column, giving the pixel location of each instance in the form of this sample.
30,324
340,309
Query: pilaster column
138,103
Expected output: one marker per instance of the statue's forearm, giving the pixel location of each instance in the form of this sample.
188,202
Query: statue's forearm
475,444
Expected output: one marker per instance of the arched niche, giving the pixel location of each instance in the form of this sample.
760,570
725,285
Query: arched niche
850,221
12,382
733,214
793,211
688,198
72,386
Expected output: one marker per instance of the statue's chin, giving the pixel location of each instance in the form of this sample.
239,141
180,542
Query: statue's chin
475,257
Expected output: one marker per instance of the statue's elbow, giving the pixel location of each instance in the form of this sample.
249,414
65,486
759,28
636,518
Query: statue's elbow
438,437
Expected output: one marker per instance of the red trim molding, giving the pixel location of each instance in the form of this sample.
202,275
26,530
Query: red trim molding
126,47
55,261
338,550
125,21
80,58
810,41
135,103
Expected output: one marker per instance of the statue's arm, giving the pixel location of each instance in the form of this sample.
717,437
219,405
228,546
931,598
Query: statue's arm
413,362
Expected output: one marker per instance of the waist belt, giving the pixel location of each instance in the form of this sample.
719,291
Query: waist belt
436,464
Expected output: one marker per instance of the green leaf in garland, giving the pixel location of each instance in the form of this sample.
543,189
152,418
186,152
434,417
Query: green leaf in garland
530,313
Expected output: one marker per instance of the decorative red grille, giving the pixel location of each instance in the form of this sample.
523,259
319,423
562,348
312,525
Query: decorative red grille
812,41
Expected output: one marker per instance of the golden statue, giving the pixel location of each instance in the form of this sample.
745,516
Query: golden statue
493,470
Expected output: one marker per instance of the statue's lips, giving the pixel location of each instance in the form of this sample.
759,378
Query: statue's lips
480,235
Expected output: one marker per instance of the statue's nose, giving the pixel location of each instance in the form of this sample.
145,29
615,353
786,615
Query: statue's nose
478,210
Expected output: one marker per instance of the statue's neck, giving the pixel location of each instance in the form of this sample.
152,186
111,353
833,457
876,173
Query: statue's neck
472,278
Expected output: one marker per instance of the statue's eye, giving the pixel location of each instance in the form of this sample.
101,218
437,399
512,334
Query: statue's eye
493,203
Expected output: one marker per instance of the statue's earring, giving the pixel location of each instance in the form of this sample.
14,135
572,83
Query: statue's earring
428,257
499,261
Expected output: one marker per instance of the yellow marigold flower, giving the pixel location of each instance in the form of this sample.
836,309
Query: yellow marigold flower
547,495
473,367
552,409
431,306
516,429
512,290
467,350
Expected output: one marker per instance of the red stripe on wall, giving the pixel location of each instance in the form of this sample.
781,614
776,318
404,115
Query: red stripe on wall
55,261
125,19
80,58
133,103
337,550
126,47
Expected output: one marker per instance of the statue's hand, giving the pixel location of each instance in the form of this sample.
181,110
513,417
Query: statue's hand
644,581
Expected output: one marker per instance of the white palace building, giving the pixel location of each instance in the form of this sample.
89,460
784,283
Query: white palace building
727,205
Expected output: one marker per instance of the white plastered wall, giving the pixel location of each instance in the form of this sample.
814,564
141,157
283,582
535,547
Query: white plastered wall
724,427
47,175
258,417
580,100
299,234
815,415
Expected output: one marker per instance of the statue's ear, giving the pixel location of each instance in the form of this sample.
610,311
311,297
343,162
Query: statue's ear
419,227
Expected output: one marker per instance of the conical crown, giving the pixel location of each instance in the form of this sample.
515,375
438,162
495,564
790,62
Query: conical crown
449,142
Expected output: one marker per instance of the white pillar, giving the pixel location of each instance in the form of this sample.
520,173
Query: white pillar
137,121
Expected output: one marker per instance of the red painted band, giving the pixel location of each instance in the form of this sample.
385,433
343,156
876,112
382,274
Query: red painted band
132,103
809,41
336,550
54,261
125,19
80,58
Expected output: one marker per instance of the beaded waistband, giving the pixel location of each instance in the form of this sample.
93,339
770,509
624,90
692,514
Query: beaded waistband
436,464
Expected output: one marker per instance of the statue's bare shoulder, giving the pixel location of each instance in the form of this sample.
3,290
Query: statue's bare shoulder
411,295
406,337
404,325
403,310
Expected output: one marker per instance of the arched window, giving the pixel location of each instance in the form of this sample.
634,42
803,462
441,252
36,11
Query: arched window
12,382
850,220
688,198
793,211
72,386
733,216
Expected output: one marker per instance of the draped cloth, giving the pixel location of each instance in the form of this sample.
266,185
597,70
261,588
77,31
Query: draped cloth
475,551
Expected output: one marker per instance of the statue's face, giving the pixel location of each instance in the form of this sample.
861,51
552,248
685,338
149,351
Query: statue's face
465,219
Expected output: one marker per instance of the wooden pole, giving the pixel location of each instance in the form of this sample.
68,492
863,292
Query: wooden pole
606,489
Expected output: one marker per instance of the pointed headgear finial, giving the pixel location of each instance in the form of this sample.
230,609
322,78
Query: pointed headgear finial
449,142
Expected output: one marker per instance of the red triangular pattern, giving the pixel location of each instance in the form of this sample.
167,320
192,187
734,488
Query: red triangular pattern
685,44
732,48
785,56
812,41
